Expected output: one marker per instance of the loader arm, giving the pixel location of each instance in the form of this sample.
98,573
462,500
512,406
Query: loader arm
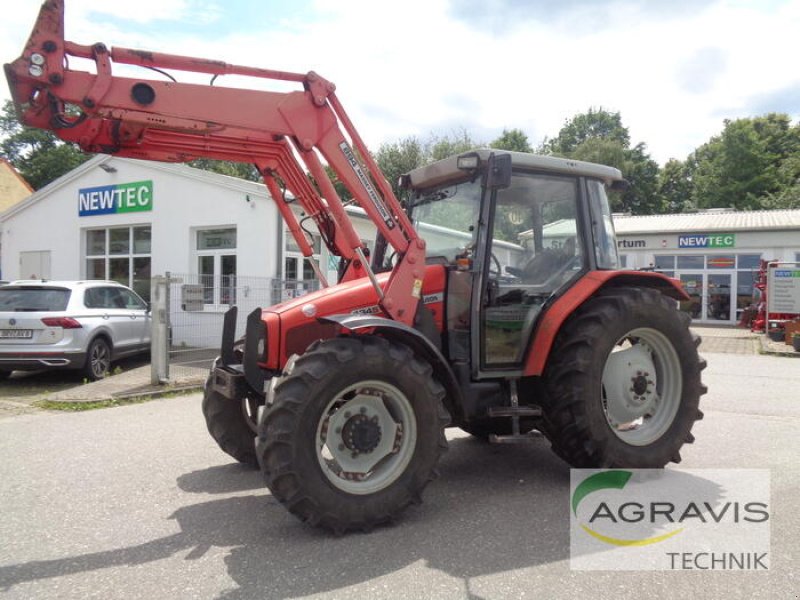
286,135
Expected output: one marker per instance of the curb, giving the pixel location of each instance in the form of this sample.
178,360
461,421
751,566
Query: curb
124,396
767,349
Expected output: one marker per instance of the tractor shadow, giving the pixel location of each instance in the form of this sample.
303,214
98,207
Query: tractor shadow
495,508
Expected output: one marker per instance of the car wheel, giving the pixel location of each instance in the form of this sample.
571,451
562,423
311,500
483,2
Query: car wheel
98,360
4,375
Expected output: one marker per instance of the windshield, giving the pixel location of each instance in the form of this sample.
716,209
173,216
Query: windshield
25,299
447,217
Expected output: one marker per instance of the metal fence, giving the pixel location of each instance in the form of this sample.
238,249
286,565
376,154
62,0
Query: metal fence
189,309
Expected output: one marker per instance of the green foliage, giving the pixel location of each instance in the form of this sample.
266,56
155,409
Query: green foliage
513,140
398,158
459,141
675,187
231,169
599,136
593,124
752,164
38,155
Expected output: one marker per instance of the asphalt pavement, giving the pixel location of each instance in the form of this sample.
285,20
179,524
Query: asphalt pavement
138,502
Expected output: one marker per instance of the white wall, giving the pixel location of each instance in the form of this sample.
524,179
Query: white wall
181,204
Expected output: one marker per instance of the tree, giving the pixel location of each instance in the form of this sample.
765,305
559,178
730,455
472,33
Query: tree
443,146
675,186
751,164
398,158
231,169
594,123
38,155
599,136
512,139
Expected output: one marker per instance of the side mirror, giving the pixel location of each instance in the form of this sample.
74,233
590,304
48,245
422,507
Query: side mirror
620,185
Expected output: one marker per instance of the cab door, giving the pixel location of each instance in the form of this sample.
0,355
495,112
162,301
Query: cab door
533,249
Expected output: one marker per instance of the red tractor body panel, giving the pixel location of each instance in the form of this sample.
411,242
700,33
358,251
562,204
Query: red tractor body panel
292,325
569,302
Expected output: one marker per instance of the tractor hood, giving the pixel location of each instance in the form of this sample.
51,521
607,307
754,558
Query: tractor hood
298,319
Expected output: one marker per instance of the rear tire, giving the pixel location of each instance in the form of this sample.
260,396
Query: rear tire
5,375
354,433
231,423
98,359
623,382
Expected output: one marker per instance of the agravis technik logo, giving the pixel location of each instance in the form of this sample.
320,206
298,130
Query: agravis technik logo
666,519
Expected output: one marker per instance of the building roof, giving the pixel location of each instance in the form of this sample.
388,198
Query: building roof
13,187
709,220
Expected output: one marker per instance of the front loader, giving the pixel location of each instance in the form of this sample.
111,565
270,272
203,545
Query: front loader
492,302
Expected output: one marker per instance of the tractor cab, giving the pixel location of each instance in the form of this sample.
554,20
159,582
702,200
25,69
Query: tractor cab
515,231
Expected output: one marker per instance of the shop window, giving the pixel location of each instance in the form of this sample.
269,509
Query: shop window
120,254
691,262
623,261
722,261
748,261
298,274
216,265
797,257
744,289
663,262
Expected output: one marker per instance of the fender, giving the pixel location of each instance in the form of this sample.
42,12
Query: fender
588,285
414,339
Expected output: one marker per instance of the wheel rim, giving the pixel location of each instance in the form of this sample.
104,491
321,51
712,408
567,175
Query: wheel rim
642,386
250,412
366,437
100,360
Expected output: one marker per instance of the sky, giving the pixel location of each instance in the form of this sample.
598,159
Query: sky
674,69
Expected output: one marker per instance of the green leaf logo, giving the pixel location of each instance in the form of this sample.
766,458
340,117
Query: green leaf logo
611,480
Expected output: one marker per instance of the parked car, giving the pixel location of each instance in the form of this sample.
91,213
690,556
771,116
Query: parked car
82,325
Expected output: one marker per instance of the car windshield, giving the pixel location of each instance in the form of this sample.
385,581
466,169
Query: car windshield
446,218
33,299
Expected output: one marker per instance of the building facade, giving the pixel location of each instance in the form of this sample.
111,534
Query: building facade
715,254
127,220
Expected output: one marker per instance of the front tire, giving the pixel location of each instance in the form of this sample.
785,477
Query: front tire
623,382
353,434
231,423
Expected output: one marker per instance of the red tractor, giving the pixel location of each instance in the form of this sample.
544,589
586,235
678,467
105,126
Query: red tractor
492,302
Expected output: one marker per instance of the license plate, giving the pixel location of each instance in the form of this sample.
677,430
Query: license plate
16,334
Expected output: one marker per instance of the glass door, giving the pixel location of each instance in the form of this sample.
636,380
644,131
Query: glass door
718,297
693,284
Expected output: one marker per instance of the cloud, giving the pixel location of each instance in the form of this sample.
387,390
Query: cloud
502,16
784,100
698,73
433,66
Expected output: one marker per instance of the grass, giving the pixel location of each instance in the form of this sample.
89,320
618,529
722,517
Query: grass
67,406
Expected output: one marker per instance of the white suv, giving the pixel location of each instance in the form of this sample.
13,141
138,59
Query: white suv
70,325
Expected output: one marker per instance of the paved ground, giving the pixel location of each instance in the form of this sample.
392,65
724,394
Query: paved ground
728,340
138,502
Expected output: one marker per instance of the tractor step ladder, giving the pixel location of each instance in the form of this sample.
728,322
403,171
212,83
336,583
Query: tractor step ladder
515,411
